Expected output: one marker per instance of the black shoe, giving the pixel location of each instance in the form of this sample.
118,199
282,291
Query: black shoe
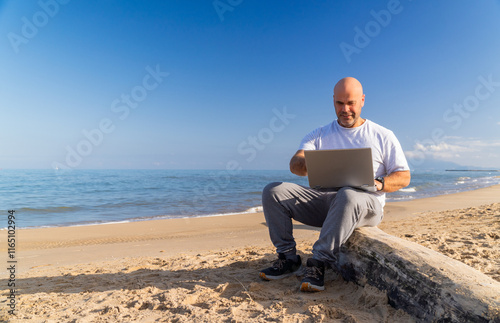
281,268
314,278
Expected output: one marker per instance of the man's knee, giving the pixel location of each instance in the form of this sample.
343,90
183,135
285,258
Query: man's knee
276,191
270,188
270,191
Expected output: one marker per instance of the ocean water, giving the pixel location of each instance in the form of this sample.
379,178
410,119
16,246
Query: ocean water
45,198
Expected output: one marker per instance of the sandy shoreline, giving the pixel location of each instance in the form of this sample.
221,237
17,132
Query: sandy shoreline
205,269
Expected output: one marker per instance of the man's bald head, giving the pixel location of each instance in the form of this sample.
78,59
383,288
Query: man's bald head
348,84
348,99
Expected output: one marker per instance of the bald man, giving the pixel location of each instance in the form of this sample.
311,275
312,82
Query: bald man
337,212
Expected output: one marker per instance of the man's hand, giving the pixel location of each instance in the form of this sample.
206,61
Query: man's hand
298,163
394,181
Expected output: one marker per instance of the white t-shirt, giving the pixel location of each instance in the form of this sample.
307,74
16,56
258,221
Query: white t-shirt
387,154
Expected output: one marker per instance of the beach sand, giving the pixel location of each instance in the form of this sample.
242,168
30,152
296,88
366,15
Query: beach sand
206,269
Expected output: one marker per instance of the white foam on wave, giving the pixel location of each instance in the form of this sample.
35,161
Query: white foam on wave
255,209
408,190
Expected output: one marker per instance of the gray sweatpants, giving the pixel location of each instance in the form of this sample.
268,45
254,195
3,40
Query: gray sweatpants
338,213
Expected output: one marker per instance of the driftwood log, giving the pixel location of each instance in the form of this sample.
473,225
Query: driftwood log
428,285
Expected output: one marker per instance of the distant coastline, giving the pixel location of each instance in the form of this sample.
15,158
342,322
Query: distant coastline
473,170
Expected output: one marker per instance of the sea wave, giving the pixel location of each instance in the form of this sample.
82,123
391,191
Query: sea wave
408,190
93,197
49,210
255,209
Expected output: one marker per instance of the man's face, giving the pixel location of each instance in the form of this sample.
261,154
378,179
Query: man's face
348,103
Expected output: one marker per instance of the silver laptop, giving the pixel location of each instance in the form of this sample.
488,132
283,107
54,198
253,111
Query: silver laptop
336,168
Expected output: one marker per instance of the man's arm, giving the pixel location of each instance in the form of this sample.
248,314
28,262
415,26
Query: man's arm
298,163
395,181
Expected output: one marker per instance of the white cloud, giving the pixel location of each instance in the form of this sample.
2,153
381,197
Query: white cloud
464,151
442,147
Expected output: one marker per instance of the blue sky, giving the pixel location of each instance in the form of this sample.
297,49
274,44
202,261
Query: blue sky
231,83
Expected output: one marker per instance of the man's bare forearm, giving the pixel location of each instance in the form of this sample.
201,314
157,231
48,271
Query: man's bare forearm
396,181
298,164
